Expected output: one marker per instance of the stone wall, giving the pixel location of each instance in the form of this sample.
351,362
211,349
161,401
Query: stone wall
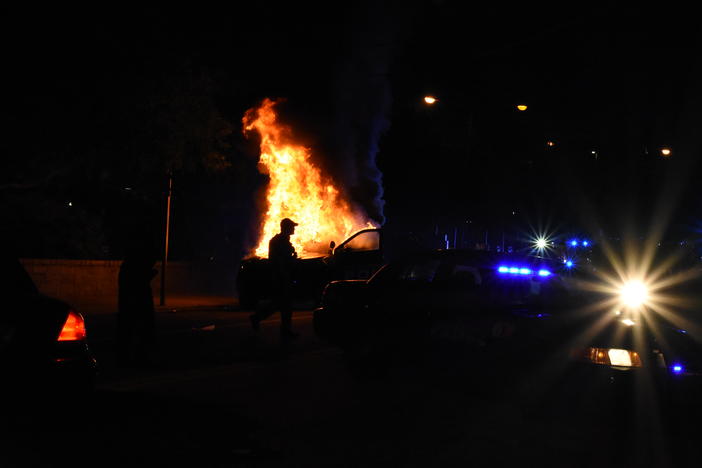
87,282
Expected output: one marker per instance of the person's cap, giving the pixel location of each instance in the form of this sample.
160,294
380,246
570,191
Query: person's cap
287,222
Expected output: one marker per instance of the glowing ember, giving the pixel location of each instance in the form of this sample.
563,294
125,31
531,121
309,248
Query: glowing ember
297,190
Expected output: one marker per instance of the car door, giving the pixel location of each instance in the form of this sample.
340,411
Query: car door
359,256
402,301
460,312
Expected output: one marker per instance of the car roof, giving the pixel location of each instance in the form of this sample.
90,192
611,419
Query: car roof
481,256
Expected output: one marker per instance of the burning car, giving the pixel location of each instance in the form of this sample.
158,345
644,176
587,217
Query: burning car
358,257
299,190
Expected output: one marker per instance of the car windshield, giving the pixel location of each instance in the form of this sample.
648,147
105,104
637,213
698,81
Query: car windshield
434,268
413,270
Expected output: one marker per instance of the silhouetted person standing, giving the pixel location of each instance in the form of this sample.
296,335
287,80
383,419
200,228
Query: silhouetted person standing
135,316
282,257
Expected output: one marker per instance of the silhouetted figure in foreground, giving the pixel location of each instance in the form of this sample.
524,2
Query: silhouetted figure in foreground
135,315
282,257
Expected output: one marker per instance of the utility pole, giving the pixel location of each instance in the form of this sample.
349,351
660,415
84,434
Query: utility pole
164,261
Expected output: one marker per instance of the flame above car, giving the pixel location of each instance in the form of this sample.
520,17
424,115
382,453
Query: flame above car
298,189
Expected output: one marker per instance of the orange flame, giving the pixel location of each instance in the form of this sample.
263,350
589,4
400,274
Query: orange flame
297,190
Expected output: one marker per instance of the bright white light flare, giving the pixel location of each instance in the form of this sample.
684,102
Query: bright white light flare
619,357
634,294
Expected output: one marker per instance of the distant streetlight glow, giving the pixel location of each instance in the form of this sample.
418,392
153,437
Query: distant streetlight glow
522,107
540,243
430,100
666,152
550,143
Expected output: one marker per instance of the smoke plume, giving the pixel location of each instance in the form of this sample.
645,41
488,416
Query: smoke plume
362,98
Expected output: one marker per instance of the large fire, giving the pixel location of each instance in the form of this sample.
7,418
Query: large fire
297,190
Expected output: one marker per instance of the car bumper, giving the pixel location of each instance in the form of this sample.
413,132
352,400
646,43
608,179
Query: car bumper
70,368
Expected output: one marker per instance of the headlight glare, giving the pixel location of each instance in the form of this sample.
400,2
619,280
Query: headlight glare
633,294
613,357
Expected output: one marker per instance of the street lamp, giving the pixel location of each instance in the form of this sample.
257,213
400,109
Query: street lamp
522,107
164,262
665,152
430,100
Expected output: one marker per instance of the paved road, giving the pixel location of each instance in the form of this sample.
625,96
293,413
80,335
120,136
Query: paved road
226,397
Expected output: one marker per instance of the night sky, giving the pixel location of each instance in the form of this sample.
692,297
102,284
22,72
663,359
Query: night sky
100,104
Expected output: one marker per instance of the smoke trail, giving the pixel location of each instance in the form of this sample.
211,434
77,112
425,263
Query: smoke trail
361,105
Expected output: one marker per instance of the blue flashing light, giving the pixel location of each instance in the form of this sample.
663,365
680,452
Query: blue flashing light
574,243
519,270
677,368
585,243
544,273
569,263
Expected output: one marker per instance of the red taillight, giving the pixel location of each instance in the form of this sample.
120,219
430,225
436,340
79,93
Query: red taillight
74,328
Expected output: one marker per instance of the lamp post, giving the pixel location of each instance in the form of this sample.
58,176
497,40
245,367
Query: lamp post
164,262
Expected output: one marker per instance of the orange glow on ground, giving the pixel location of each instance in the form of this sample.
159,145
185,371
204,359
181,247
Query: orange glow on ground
298,190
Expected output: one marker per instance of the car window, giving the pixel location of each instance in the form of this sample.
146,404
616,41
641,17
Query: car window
465,276
364,241
421,271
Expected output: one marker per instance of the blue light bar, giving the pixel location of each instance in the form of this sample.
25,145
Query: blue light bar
520,270
677,368
574,242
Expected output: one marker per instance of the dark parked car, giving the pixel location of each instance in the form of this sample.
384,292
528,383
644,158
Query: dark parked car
43,346
426,296
505,314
